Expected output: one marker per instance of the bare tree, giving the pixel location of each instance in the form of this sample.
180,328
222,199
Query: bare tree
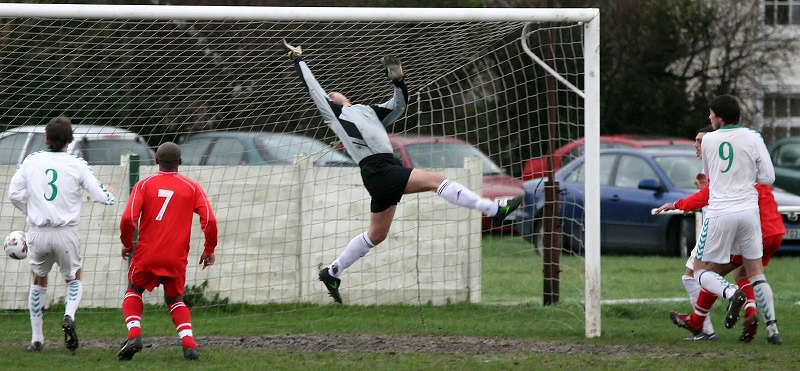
736,53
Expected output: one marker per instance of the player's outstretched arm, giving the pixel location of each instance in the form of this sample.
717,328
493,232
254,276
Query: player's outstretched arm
396,106
665,207
315,90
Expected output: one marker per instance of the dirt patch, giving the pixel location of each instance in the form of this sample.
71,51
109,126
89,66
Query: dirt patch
396,343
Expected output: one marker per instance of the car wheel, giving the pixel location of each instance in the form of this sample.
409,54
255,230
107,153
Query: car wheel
681,236
568,243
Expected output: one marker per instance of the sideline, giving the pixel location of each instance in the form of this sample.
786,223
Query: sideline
636,301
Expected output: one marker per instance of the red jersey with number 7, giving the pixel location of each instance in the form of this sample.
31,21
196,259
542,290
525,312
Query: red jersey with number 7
164,205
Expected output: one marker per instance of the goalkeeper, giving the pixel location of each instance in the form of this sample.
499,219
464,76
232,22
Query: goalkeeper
362,130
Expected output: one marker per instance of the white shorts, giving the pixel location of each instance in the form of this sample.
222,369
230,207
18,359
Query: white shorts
54,245
737,233
690,261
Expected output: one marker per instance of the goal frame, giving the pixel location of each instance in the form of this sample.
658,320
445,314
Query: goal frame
588,17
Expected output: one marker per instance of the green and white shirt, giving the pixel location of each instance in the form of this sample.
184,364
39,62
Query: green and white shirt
735,159
47,187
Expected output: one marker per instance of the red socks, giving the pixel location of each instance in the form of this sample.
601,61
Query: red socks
132,308
750,306
704,302
182,320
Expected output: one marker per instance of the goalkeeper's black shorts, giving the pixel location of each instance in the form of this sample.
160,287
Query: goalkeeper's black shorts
385,178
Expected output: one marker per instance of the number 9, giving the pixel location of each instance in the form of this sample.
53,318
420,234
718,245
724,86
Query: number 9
726,153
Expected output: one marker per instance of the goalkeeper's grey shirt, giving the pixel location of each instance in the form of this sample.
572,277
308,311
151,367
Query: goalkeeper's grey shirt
361,128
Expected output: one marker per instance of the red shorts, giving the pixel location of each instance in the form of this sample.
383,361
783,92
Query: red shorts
771,246
173,286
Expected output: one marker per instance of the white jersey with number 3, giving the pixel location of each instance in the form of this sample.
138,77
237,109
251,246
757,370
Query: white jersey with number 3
48,187
735,159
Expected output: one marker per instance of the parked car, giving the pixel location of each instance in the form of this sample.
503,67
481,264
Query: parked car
537,167
633,182
445,152
98,145
785,154
226,148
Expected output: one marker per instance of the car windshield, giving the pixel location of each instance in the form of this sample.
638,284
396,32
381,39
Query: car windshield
109,151
288,147
448,154
10,148
787,155
680,170
689,147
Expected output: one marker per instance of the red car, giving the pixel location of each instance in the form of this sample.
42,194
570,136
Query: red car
443,152
537,167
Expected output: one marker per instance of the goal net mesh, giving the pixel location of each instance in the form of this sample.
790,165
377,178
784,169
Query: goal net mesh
474,93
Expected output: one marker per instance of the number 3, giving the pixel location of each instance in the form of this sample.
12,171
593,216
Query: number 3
166,193
726,153
52,184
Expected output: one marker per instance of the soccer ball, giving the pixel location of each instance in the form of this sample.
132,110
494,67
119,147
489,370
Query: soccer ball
15,245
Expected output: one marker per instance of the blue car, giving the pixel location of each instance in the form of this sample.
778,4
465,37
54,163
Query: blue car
633,182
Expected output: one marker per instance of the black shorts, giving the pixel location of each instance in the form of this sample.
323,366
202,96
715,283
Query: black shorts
385,178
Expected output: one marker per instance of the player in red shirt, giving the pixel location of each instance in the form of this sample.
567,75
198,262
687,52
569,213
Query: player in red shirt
163,204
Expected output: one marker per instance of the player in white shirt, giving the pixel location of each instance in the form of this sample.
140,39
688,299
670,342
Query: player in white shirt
47,188
734,159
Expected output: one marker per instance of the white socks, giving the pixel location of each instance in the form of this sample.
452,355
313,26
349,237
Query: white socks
693,289
358,247
455,193
713,282
36,298
73,297
764,298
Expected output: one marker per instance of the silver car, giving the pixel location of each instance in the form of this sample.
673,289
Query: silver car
98,145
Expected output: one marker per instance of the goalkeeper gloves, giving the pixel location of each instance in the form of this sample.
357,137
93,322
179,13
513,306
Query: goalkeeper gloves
295,52
393,68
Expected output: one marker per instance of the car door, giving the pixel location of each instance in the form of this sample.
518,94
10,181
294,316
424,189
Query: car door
195,149
571,197
786,159
227,152
625,216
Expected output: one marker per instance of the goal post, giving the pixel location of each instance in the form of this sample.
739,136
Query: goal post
170,72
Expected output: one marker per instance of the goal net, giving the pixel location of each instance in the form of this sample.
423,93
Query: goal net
489,90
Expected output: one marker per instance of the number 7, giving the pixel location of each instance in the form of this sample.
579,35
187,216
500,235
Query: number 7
166,193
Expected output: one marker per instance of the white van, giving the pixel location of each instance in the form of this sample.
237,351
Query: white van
98,145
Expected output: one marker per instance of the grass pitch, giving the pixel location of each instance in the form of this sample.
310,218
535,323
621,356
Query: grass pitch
634,336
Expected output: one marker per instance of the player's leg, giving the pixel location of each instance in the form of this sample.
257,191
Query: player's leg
693,290
709,250
380,222
715,249
74,293
181,317
763,291
37,296
457,194
360,245
132,309
41,262
750,324
66,244
750,246
771,245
